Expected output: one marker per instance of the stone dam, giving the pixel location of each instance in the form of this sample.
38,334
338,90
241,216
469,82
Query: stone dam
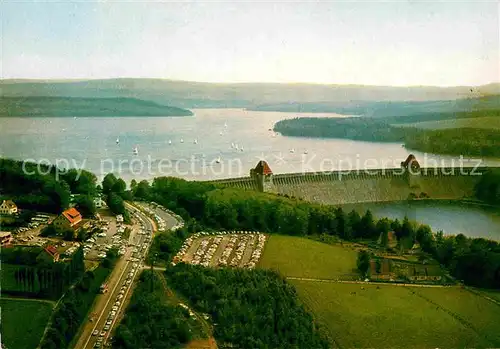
409,182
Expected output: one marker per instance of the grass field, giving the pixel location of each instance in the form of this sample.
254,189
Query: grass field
23,322
488,122
492,293
300,257
394,317
477,312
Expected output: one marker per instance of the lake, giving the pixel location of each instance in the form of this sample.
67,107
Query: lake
189,147
470,219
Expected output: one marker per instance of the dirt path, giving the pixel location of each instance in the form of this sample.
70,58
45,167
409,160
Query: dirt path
208,343
53,303
365,282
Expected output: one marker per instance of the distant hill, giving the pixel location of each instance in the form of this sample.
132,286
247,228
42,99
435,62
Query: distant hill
391,108
259,96
84,107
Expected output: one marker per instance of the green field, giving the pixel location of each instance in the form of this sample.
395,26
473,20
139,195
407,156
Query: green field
301,257
477,312
492,293
489,122
23,322
394,317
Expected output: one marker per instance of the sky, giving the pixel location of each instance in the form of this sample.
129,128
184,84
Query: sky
396,43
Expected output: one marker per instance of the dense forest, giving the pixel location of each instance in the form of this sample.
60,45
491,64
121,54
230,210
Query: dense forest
153,319
227,208
39,187
466,141
488,187
24,273
383,109
249,308
84,107
75,304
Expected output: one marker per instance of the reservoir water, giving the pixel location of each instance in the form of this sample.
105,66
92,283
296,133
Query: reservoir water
214,143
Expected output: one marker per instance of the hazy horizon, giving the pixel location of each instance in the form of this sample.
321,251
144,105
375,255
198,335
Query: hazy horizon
397,44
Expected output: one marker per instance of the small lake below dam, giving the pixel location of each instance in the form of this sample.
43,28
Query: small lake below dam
469,219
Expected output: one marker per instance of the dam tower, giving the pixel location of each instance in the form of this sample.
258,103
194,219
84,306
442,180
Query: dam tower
412,171
263,175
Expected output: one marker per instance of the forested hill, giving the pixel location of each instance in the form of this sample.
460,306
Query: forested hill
189,94
480,137
84,107
397,109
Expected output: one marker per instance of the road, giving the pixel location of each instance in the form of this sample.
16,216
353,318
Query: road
122,278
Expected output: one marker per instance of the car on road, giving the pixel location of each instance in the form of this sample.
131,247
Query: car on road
109,322
106,327
102,334
97,345
115,308
120,296
129,282
95,333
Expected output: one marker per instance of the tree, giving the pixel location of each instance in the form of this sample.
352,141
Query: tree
85,205
115,203
108,182
363,262
343,228
143,190
354,220
68,234
133,185
119,187
383,227
368,225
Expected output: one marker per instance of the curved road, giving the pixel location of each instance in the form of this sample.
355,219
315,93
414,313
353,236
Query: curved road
123,272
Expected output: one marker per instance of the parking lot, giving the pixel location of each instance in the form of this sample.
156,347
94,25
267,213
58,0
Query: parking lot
241,249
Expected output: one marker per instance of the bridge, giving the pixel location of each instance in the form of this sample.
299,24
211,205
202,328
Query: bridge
410,181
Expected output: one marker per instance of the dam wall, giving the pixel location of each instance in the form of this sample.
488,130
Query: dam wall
349,187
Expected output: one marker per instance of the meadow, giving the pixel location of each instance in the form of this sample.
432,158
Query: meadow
24,322
488,122
301,257
393,316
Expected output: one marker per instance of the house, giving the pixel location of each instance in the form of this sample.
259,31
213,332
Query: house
69,219
5,237
8,207
423,274
48,254
381,269
119,218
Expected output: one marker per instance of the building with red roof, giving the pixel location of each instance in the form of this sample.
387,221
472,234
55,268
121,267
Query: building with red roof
263,174
69,219
49,254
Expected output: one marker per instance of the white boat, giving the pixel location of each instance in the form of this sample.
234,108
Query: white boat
232,145
169,142
306,152
182,140
117,140
220,133
217,160
136,151
236,146
292,150
195,141
225,125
